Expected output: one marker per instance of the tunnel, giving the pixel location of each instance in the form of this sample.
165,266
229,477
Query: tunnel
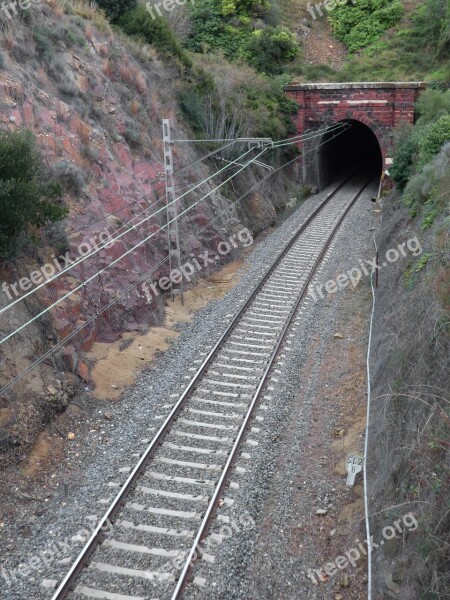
341,153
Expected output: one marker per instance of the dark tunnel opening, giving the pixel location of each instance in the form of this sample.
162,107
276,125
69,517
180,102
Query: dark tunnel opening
342,153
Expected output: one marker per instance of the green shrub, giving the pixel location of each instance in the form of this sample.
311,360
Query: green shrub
360,23
115,9
270,48
212,30
221,100
433,139
28,192
371,28
432,25
231,27
418,52
42,40
156,32
426,193
431,105
405,154
418,190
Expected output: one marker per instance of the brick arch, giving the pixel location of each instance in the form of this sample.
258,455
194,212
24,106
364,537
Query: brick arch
379,106
362,118
383,139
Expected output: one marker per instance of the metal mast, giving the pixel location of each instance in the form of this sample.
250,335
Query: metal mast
172,213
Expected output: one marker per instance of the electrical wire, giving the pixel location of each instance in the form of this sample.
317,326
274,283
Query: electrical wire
296,140
70,336
111,241
79,287
97,249
90,224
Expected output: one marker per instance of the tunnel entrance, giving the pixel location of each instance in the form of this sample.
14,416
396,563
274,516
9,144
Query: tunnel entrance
355,148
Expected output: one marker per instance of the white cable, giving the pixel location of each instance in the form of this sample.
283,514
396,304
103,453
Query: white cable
112,240
366,450
125,254
366,441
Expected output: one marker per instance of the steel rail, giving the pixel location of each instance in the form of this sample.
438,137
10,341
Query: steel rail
97,537
213,505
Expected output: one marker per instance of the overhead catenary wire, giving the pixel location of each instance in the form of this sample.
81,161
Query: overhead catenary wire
90,224
115,214
112,240
79,287
128,207
289,142
98,248
133,285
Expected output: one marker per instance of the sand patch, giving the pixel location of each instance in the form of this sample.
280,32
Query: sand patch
117,365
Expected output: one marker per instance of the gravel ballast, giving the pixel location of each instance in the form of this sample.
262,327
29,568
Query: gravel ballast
97,464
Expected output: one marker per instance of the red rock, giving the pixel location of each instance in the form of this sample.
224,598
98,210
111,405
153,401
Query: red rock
201,220
71,357
28,114
83,371
124,156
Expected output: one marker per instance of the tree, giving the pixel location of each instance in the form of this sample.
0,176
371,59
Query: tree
156,32
271,48
115,9
28,192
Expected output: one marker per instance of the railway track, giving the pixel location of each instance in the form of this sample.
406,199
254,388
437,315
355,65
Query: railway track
162,513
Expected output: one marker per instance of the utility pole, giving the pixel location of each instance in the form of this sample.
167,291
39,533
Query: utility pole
172,213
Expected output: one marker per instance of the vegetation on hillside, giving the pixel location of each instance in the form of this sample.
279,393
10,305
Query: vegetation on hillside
138,23
224,100
115,9
413,414
241,31
418,49
421,166
359,23
382,44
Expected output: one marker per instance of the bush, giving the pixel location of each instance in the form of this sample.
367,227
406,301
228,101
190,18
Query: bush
211,30
156,32
426,193
360,24
132,133
419,144
432,24
28,192
419,52
271,48
223,100
431,105
242,30
115,9
405,154
434,138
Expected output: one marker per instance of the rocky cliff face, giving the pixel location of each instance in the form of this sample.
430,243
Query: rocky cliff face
95,102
